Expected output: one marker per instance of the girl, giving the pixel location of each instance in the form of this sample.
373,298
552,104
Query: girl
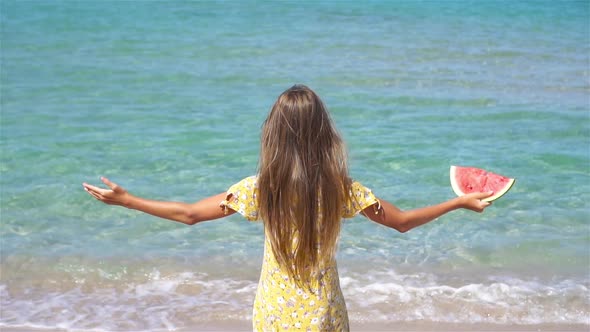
301,193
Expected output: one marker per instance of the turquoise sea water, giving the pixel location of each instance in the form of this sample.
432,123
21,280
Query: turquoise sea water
167,99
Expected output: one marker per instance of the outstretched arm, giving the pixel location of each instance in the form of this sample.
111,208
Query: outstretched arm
190,214
389,215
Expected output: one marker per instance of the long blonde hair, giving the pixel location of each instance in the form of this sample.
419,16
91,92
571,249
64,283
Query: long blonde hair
303,182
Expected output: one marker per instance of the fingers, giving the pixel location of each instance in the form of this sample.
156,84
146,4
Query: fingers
92,188
93,191
483,195
109,184
113,186
99,193
115,195
97,196
475,202
94,194
485,205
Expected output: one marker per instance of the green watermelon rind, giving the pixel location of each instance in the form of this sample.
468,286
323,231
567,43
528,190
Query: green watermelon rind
497,194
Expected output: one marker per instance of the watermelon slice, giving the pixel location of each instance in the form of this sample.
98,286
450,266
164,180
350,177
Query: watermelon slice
465,180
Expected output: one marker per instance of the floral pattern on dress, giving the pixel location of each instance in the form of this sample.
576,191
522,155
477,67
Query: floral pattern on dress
280,305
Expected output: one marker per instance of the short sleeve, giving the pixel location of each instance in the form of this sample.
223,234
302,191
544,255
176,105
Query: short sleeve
241,197
361,198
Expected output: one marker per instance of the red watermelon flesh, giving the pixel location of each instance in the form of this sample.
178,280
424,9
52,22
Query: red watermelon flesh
465,180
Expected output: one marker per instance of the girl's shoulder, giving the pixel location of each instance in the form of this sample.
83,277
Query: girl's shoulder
358,189
250,182
241,197
361,198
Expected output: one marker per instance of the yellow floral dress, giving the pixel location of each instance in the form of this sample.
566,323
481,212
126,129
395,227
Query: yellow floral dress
280,305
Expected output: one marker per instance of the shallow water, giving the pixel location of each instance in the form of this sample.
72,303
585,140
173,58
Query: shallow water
167,99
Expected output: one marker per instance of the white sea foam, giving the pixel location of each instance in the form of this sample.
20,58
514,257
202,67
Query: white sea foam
500,301
166,303
169,302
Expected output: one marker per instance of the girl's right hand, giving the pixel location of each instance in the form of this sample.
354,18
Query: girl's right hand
474,201
115,196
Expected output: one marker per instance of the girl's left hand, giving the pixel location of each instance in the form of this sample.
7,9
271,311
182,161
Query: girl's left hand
117,195
474,201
